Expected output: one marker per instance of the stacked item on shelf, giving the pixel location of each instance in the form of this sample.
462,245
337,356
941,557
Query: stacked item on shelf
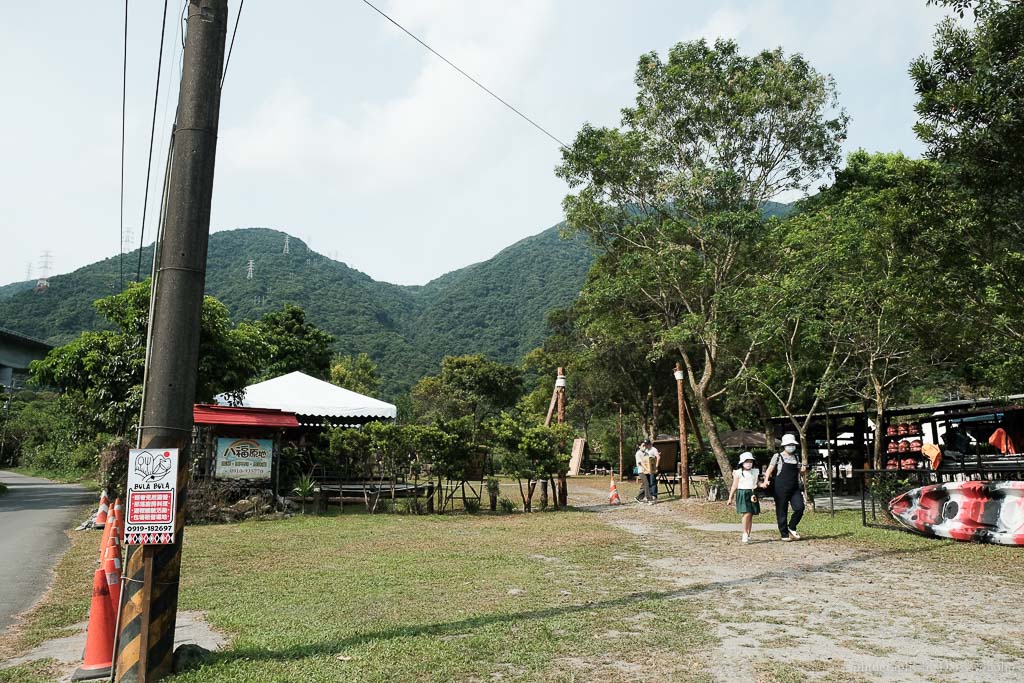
903,453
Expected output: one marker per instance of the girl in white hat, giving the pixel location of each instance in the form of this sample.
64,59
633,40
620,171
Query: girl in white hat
744,481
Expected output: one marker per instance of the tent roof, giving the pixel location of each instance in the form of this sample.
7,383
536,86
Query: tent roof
249,417
744,438
299,393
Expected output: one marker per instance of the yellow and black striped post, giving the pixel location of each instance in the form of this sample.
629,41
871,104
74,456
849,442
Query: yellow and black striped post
150,596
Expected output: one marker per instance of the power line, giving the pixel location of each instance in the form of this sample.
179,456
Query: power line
238,15
152,133
124,100
478,83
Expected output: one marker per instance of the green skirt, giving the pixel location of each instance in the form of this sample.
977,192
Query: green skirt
744,504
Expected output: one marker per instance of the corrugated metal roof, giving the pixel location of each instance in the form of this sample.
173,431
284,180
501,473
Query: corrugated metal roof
251,417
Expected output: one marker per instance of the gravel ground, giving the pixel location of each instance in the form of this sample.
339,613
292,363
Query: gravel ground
821,609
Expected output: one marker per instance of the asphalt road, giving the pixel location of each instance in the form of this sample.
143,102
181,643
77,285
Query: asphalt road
34,514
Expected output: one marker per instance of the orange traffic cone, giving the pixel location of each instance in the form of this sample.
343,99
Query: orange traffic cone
112,570
105,541
118,519
99,639
101,514
613,496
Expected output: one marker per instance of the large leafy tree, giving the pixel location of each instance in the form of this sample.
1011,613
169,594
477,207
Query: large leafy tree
870,250
672,198
971,95
469,387
101,372
295,343
356,373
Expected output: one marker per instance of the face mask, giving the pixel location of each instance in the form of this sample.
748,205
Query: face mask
791,449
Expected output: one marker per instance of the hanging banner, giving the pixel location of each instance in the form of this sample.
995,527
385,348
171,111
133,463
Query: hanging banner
152,496
244,458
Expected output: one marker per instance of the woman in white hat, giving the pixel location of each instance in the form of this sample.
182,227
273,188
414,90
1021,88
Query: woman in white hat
744,481
787,470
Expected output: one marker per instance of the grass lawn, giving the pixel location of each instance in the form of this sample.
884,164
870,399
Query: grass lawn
435,598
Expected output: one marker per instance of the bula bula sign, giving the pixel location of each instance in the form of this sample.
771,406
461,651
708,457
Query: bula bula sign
152,496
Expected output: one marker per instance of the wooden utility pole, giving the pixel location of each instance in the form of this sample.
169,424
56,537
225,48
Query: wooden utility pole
684,460
150,598
621,471
562,493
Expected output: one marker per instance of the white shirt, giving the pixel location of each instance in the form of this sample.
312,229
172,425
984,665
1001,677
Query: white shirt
747,478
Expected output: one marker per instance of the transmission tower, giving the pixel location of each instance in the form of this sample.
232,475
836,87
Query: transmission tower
249,271
28,271
43,283
286,240
129,240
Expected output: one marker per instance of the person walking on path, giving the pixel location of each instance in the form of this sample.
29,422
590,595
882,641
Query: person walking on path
744,482
788,492
647,459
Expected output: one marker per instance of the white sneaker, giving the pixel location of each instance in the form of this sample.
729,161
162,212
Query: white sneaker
746,538
794,535
787,539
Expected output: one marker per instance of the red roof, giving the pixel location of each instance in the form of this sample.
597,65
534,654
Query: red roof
250,417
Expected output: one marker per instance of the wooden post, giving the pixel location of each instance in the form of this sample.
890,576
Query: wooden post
621,463
561,492
684,461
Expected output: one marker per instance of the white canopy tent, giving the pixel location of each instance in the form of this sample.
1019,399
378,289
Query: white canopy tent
314,401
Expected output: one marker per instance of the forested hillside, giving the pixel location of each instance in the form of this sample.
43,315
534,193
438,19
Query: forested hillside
496,307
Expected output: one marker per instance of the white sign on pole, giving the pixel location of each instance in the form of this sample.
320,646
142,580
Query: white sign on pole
152,496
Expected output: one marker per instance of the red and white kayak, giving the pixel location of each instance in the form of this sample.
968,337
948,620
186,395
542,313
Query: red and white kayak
979,511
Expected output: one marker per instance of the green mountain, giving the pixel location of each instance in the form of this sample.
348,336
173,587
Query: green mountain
496,307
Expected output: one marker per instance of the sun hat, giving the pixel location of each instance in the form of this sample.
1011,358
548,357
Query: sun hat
747,456
790,440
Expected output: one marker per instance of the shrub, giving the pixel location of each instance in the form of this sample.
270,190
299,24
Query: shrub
507,505
472,506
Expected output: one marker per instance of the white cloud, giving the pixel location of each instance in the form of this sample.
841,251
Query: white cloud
440,120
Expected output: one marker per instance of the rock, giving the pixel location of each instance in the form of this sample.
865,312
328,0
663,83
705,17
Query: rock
243,506
516,591
189,657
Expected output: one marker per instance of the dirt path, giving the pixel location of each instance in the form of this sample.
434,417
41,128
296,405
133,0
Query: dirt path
821,610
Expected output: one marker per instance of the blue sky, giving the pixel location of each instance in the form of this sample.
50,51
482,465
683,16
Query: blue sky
342,131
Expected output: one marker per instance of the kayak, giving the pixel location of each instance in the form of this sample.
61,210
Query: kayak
978,511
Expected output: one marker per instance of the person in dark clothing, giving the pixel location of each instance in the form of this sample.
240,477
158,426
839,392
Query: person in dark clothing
787,470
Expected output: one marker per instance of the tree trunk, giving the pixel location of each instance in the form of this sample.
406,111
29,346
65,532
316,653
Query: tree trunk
712,433
544,494
879,432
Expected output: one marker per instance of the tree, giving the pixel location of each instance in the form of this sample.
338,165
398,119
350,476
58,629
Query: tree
295,344
535,453
470,387
101,372
672,199
870,248
355,373
971,93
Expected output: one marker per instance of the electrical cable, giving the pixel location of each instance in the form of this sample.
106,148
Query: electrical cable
478,83
152,134
238,15
124,100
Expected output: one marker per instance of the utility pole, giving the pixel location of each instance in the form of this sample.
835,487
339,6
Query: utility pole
150,597
622,472
684,460
562,494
